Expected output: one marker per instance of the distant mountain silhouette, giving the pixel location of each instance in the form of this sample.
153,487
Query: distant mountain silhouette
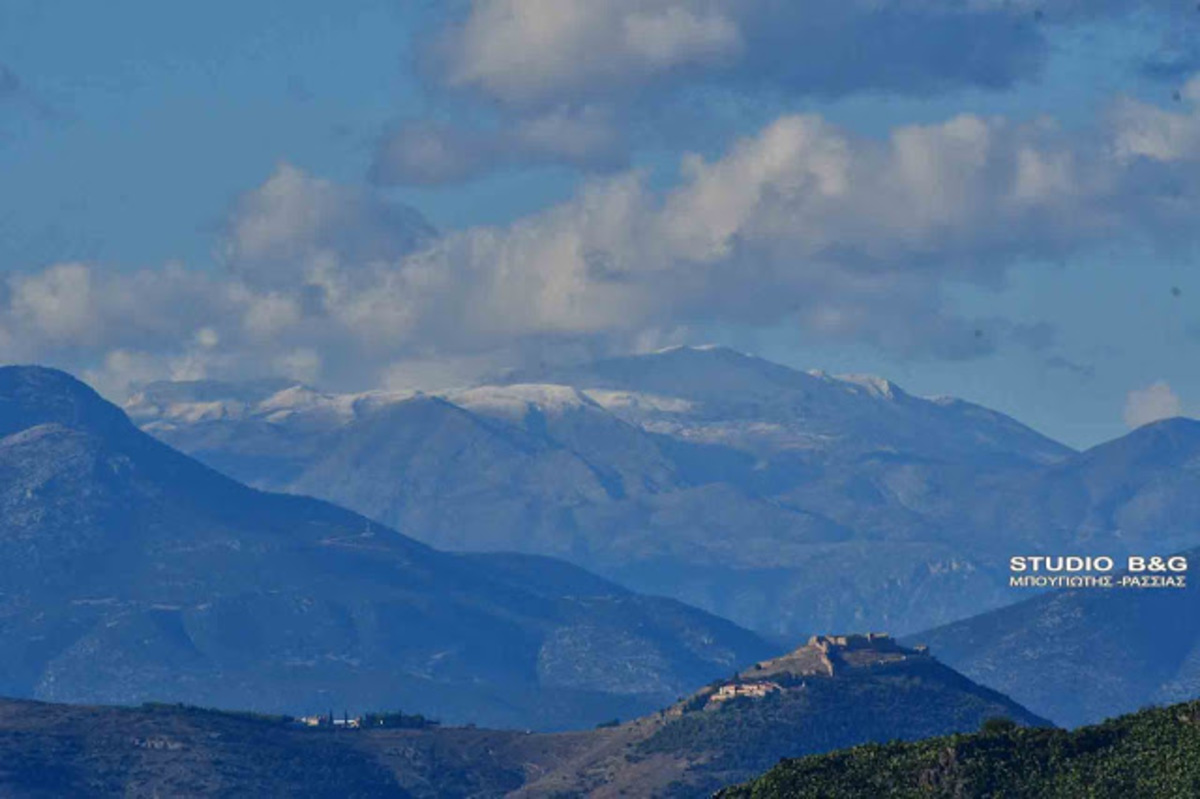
785,500
128,572
1080,656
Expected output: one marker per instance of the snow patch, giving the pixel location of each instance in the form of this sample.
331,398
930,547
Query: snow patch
637,401
875,386
515,401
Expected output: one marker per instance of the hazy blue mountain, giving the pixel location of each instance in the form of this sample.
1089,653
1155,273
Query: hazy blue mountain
787,501
1139,492
1080,656
129,571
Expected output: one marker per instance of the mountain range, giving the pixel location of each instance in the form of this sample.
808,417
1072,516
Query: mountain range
130,572
111,542
786,501
1081,656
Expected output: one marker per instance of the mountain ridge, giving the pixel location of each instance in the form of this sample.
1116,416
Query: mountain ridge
130,571
1134,647
747,488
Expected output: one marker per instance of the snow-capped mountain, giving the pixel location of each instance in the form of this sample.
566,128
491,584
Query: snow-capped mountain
721,396
786,500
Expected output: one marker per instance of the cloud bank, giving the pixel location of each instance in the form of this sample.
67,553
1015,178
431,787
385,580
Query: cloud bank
843,237
598,65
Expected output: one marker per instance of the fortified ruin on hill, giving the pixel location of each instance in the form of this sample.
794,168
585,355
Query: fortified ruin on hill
822,656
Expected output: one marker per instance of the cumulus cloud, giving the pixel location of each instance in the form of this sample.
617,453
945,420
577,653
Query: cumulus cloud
535,52
546,70
420,152
531,51
285,229
56,303
845,237
1152,404
1159,134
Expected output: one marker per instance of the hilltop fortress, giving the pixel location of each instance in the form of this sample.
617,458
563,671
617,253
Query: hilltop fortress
822,657
827,655
831,655
860,650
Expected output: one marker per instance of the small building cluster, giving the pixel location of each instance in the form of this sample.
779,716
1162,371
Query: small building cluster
158,743
756,690
329,721
388,720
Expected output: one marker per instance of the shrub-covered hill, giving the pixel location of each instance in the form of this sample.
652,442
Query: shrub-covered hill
834,692
1152,753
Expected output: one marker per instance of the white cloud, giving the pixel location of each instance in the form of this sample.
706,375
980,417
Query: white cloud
528,51
425,153
803,223
293,224
643,64
121,369
57,302
207,338
536,52
667,37
303,364
1151,404
1158,134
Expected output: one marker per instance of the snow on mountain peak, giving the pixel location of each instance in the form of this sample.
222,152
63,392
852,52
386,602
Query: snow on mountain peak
292,398
514,401
638,401
700,394
166,406
694,348
876,386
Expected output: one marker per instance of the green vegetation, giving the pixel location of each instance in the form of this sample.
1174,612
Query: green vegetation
176,750
183,709
1153,753
398,721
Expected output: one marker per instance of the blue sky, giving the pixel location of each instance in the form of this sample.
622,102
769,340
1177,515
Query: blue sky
225,189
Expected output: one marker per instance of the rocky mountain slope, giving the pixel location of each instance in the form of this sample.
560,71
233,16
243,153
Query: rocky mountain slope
1130,647
830,693
129,571
787,501
1154,753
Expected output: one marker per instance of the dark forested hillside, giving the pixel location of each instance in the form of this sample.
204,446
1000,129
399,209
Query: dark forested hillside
1154,754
